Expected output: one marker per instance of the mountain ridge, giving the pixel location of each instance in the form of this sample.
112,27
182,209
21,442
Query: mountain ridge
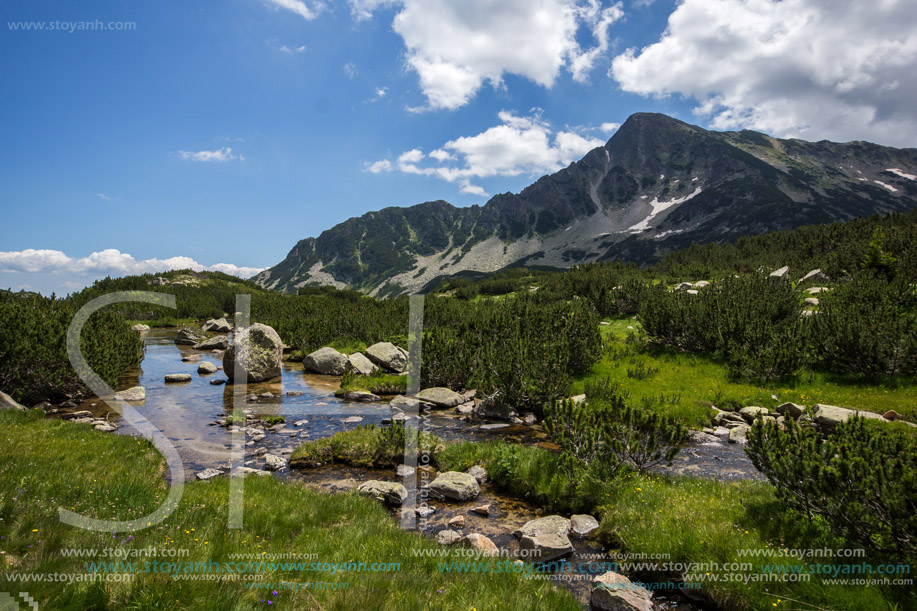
657,185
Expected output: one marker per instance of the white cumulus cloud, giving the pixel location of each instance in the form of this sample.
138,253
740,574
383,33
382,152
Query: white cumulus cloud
814,69
106,262
456,46
519,145
299,7
221,155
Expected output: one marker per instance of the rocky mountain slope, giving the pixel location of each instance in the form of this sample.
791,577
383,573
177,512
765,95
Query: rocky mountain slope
657,185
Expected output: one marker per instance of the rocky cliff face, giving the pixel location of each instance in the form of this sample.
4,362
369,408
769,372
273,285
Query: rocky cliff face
658,185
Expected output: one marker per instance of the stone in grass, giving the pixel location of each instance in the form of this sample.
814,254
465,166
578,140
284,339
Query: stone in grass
479,473
482,544
208,474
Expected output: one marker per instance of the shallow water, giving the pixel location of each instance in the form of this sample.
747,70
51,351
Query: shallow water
186,414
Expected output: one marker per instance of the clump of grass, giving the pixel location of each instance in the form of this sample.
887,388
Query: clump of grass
378,383
274,419
365,446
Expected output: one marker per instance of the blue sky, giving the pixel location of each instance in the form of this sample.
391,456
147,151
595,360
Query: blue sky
220,133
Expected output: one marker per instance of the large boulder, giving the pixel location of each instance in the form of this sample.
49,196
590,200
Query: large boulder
456,486
214,343
829,416
188,336
388,356
258,350
791,410
360,364
7,402
751,412
390,493
614,592
546,547
327,361
548,525
441,397
218,325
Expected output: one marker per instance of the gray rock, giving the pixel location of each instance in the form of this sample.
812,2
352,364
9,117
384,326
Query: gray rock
388,356
80,415
361,396
816,275
441,397
404,471
7,402
491,408
407,404
465,408
829,416
105,427
701,284
548,525
546,547
780,274
352,419
583,525
457,522
136,393
701,437
360,364
208,474
217,382
191,358
390,493
425,512
530,419
692,292
751,412
218,325
791,410
481,543
614,592
188,337
683,286
448,537
815,290
206,367
272,462
811,301
140,328
258,350
176,378
493,427
327,361
456,486
214,343
738,434
479,473
250,471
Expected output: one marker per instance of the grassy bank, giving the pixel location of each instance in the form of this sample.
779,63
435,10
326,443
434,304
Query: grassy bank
48,464
674,520
685,385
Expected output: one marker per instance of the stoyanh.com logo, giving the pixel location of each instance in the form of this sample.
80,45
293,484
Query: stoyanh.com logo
10,602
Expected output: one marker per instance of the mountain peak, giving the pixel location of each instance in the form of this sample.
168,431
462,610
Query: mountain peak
658,185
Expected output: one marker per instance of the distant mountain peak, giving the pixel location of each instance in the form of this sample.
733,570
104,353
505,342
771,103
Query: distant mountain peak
657,185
